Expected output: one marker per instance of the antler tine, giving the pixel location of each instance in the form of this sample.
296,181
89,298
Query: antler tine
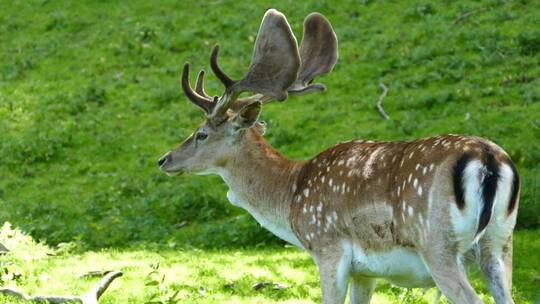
231,91
199,87
226,80
203,102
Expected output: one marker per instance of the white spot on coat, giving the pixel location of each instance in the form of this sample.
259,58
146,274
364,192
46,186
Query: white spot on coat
368,170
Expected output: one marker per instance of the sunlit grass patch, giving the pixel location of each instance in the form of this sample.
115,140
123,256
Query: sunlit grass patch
284,275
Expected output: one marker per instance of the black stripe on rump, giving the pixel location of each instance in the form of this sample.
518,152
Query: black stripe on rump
458,179
489,186
515,186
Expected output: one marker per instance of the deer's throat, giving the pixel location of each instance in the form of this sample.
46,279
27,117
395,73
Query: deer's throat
260,184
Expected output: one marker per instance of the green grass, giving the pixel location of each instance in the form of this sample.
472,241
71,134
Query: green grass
214,276
90,99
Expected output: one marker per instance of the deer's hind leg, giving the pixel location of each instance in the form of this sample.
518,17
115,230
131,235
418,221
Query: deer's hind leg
496,260
450,276
496,264
496,242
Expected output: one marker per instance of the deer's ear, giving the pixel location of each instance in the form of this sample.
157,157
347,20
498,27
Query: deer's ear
247,116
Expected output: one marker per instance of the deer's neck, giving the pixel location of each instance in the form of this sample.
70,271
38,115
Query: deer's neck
260,180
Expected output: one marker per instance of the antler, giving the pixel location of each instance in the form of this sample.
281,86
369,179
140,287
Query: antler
199,98
199,87
319,53
274,64
277,67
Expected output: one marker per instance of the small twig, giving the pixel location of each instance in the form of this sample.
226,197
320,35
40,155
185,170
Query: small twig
379,101
91,297
94,274
104,284
468,14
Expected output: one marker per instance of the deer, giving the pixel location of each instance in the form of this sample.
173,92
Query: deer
410,212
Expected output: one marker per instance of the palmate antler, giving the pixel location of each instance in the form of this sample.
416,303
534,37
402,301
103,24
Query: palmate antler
277,68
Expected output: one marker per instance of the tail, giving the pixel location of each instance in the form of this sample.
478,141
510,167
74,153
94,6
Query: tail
488,174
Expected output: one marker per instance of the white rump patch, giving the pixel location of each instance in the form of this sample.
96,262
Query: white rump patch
465,222
501,225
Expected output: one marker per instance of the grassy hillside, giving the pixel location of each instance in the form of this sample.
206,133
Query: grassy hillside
90,99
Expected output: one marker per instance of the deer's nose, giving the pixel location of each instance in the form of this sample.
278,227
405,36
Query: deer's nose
164,159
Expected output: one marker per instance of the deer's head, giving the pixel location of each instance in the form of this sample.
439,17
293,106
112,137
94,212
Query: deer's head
278,68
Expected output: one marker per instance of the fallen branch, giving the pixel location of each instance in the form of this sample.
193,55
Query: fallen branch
468,14
91,297
379,101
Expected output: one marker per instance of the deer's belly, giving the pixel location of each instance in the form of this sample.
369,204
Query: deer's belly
401,266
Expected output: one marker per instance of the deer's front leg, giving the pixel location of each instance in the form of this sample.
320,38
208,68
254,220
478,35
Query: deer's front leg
334,266
361,290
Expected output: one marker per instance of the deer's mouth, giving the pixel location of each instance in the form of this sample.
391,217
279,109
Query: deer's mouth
172,172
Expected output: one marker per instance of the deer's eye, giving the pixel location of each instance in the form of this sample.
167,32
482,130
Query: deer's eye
201,136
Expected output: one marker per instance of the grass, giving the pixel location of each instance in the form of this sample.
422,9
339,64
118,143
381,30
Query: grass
90,99
160,275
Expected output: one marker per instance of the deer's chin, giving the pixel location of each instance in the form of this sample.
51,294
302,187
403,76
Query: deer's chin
173,172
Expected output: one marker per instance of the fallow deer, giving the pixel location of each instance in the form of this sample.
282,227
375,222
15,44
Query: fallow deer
405,211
